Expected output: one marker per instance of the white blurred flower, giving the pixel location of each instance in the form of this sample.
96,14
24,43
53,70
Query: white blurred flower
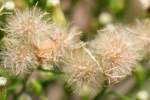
105,18
3,81
142,95
145,3
9,5
55,2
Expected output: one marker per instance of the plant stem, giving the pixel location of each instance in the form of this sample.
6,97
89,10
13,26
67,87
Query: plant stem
102,92
121,97
3,93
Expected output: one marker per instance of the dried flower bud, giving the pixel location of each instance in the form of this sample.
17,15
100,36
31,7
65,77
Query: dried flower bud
9,5
145,4
83,73
118,52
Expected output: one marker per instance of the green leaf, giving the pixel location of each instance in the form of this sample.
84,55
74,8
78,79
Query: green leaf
116,5
57,13
140,75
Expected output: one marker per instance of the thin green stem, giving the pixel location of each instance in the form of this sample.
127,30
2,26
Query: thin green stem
121,97
3,93
102,92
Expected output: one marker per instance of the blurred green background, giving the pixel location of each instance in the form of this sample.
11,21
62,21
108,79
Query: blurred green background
89,16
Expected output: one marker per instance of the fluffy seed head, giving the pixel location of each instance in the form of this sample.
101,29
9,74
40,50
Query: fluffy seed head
68,36
47,42
117,52
27,24
17,57
83,73
142,31
47,51
54,46
23,28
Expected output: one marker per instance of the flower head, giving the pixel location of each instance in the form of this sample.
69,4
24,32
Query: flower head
35,40
27,24
60,40
17,57
83,73
23,28
117,51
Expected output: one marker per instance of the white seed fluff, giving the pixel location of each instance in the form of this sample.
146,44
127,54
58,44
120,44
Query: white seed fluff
117,51
83,73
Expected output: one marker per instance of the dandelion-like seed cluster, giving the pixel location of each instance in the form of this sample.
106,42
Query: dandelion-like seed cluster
17,57
83,73
27,24
116,52
32,40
